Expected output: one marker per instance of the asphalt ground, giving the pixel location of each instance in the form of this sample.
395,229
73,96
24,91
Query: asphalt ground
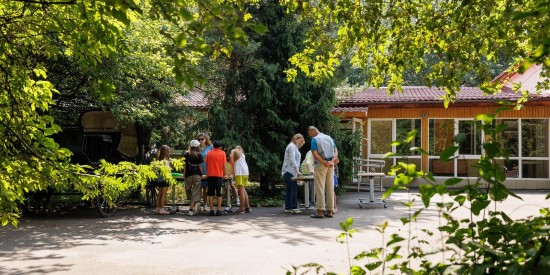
266,241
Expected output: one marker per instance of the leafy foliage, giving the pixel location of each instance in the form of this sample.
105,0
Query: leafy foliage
445,41
98,42
256,107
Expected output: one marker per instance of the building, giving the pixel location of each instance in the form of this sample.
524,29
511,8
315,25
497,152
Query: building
385,118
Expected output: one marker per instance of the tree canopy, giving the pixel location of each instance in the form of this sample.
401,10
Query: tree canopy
90,39
387,38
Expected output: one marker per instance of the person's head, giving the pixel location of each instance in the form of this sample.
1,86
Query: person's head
194,147
299,140
164,152
204,139
237,152
218,144
312,131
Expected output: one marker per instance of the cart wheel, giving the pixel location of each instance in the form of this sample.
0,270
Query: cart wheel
151,194
360,205
105,210
385,206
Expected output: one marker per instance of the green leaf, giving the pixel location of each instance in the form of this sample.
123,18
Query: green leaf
452,181
478,205
357,270
448,154
185,14
460,138
395,239
258,28
373,266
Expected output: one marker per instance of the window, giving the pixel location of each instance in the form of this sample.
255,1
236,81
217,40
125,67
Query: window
472,144
441,135
510,136
383,132
402,129
534,138
380,136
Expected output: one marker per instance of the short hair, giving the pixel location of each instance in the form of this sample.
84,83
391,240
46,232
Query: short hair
312,128
218,144
297,136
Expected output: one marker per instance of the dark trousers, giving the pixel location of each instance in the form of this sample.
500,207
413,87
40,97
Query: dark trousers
291,192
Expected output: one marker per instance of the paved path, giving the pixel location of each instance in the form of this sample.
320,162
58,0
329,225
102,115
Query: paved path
266,241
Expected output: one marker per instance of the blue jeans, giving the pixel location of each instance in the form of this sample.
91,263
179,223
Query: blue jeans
291,192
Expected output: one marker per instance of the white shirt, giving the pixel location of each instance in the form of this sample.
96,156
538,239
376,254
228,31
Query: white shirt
291,162
241,168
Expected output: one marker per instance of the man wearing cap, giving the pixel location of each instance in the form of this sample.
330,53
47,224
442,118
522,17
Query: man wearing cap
215,161
325,155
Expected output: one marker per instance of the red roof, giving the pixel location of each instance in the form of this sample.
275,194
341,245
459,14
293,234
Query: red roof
349,109
423,94
194,99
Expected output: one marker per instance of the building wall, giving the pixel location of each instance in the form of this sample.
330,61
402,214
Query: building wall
528,79
536,110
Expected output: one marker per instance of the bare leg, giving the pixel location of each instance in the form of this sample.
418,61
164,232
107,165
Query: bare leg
243,198
234,189
219,202
163,191
211,202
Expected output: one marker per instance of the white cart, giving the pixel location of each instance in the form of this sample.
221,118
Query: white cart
365,172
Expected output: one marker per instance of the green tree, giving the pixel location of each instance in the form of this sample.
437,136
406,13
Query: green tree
86,35
387,39
256,107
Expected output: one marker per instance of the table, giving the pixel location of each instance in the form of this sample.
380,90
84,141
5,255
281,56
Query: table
371,176
307,179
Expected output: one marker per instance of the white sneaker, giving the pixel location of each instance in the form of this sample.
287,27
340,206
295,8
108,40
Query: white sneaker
296,211
238,202
288,210
191,213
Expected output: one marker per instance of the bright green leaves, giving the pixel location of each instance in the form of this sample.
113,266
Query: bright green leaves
389,40
348,230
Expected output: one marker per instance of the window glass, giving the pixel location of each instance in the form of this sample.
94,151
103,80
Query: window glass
466,168
381,136
534,169
534,138
472,144
441,135
510,137
439,168
403,127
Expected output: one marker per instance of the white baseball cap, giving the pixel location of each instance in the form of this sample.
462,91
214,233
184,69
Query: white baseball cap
194,143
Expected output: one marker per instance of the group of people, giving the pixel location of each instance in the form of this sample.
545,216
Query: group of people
206,167
325,157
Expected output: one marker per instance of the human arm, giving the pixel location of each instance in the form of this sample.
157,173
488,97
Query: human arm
320,159
309,162
335,158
